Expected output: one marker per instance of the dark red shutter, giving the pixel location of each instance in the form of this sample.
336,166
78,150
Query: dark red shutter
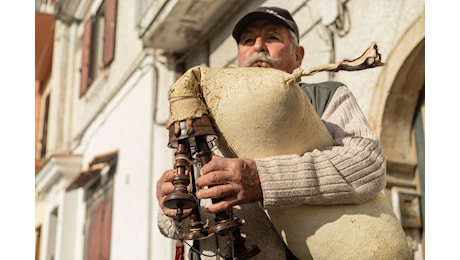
106,225
98,230
108,52
86,73
38,235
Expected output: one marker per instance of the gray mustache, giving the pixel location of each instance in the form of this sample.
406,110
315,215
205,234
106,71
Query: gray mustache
259,56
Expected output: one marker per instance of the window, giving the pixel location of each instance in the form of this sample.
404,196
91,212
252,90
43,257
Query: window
98,46
38,237
97,182
52,229
98,226
418,133
44,136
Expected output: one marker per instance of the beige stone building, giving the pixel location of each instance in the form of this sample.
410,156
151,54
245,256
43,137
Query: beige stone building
101,107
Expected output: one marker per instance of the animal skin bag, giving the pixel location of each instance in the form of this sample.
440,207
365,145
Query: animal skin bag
260,112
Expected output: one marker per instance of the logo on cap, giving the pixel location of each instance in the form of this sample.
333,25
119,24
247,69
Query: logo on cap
273,12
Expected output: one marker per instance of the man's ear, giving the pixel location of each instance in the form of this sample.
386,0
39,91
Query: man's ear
299,52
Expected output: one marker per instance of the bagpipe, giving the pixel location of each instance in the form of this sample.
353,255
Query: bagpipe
261,112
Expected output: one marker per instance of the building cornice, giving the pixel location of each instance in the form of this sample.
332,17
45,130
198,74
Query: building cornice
66,166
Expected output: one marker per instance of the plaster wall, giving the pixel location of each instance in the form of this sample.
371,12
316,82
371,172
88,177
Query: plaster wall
127,125
110,81
54,199
383,22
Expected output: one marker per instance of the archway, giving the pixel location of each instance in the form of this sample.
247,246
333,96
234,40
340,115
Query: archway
397,115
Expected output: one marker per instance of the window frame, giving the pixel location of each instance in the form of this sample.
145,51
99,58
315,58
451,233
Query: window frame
98,43
98,184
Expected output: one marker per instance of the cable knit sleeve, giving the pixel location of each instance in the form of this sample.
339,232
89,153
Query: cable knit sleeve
352,171
166,225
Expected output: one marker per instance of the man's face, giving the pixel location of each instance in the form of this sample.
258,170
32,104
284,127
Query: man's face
267,44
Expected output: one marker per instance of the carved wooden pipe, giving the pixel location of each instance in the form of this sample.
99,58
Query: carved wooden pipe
225,223
197,131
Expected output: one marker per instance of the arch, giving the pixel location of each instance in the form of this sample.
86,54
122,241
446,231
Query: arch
396,103
396,94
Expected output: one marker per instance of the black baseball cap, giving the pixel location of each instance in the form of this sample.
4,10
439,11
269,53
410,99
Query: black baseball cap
271,13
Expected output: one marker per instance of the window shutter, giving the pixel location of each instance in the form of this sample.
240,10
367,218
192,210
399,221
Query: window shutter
98,188
106,226
98,229
109,32
44,138
93,234
86,74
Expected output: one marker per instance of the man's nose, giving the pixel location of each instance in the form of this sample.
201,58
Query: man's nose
259,45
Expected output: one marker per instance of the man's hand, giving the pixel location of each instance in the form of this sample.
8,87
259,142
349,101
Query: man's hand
165,187
234,181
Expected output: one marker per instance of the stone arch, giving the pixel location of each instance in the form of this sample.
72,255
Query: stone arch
397,91
395,103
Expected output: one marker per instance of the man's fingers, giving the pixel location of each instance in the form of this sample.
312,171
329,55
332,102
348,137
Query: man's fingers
218,191
221,205
173,212
166,188
213,178
213,165
168,175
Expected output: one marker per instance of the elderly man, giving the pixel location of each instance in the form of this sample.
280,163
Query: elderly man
352,171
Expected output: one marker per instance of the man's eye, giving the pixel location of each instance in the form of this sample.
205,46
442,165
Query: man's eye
247,41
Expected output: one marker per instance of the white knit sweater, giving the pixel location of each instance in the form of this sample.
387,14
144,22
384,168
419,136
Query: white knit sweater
350,172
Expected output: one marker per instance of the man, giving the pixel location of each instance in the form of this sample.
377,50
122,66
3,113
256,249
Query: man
350,172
